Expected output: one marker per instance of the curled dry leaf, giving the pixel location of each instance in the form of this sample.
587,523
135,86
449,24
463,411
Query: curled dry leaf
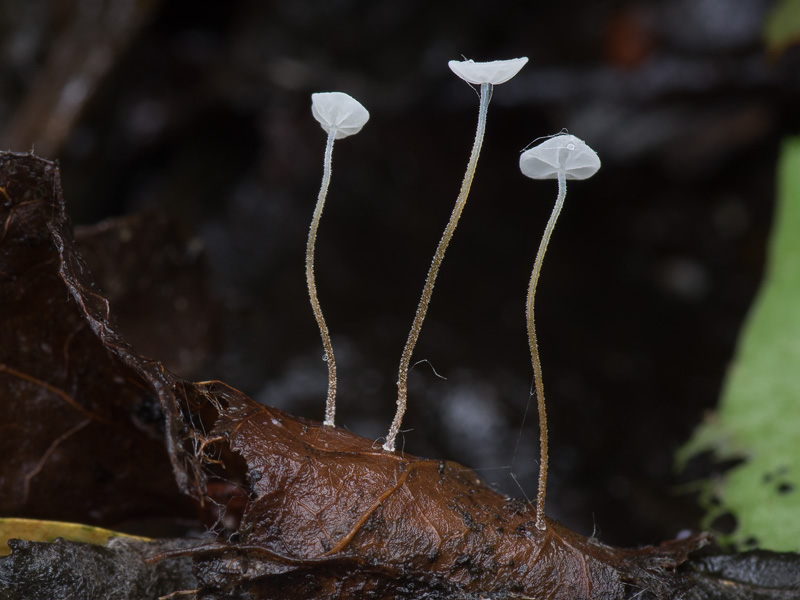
80,436
329,514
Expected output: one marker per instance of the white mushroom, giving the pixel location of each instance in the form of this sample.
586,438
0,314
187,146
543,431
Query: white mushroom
340,112
486,74
340,115
561,157
560,153
494,72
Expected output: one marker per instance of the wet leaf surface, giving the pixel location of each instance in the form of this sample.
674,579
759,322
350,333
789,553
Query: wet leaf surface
319,512
332,513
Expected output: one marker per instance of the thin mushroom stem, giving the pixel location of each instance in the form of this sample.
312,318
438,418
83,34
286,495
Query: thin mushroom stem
330,405
433,271
537,364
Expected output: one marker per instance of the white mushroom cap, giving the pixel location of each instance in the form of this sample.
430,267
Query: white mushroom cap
338,111
560,153
494,72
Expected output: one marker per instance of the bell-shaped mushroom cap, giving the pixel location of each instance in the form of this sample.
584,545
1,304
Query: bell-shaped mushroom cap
338,111
494,72
560,153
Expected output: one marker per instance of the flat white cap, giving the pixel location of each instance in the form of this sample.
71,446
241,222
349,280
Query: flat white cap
560,153
338,111
494,72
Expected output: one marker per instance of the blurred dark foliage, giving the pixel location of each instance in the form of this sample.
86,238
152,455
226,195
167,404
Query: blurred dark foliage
202,109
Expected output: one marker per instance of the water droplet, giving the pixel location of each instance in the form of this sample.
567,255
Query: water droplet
325,357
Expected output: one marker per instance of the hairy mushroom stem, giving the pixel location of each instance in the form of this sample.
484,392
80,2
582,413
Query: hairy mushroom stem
559,157
430,280
340,115
330,404
534,346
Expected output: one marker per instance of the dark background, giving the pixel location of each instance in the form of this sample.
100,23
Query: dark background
202,109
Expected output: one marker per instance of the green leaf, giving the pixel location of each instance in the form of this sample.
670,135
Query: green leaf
758,419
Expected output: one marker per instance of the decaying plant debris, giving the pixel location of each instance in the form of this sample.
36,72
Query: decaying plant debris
318,512
63,569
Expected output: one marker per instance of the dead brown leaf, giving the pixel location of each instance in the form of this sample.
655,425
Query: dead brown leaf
81,438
